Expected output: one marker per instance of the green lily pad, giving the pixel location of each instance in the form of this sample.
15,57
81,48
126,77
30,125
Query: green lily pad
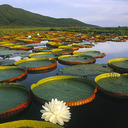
36,45
5,62
37,64
69,47
11,73
29,124
21,47
88,45
119,64
96,54
76,59
13,53
62,51
54,44
113,84
48,55
43,49
87,69
14,97
70,89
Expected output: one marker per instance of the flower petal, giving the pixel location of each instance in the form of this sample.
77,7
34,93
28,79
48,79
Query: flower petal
53,119
59,120
56,112
46,108
47,118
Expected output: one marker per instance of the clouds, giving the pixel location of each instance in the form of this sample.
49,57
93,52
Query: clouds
97,12
104,13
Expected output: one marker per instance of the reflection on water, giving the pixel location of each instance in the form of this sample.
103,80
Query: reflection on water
111,49
16,58
103,111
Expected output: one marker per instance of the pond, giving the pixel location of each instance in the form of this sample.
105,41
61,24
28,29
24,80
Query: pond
104,111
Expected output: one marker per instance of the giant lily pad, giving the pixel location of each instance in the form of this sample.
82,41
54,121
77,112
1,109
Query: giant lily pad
21,47
13,53
14,98
6,44
43,49
96,54
29,124
62,51
29,41
71,89
37,45
119,64
78,45
87,69
48,55
76,59
36,64
69,47
54,44
12,73
113,84
88,45
6,62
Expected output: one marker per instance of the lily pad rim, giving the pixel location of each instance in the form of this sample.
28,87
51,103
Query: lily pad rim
39,53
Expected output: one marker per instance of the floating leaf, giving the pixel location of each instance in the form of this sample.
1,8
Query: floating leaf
62,51
29,124
36,64
48,55
14,97
70,47
6,62
42,49
70,89
12,73
95,54
113,84
76,59
87,69
7,53
119,64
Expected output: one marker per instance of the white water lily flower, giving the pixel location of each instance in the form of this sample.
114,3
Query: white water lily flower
29,36
56,112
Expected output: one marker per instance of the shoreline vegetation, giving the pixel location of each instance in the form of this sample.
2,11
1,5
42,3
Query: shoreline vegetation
119,31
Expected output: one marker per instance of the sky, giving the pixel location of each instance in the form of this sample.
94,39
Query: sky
104,13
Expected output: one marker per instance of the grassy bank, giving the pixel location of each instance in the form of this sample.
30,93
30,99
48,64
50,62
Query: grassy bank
120,31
